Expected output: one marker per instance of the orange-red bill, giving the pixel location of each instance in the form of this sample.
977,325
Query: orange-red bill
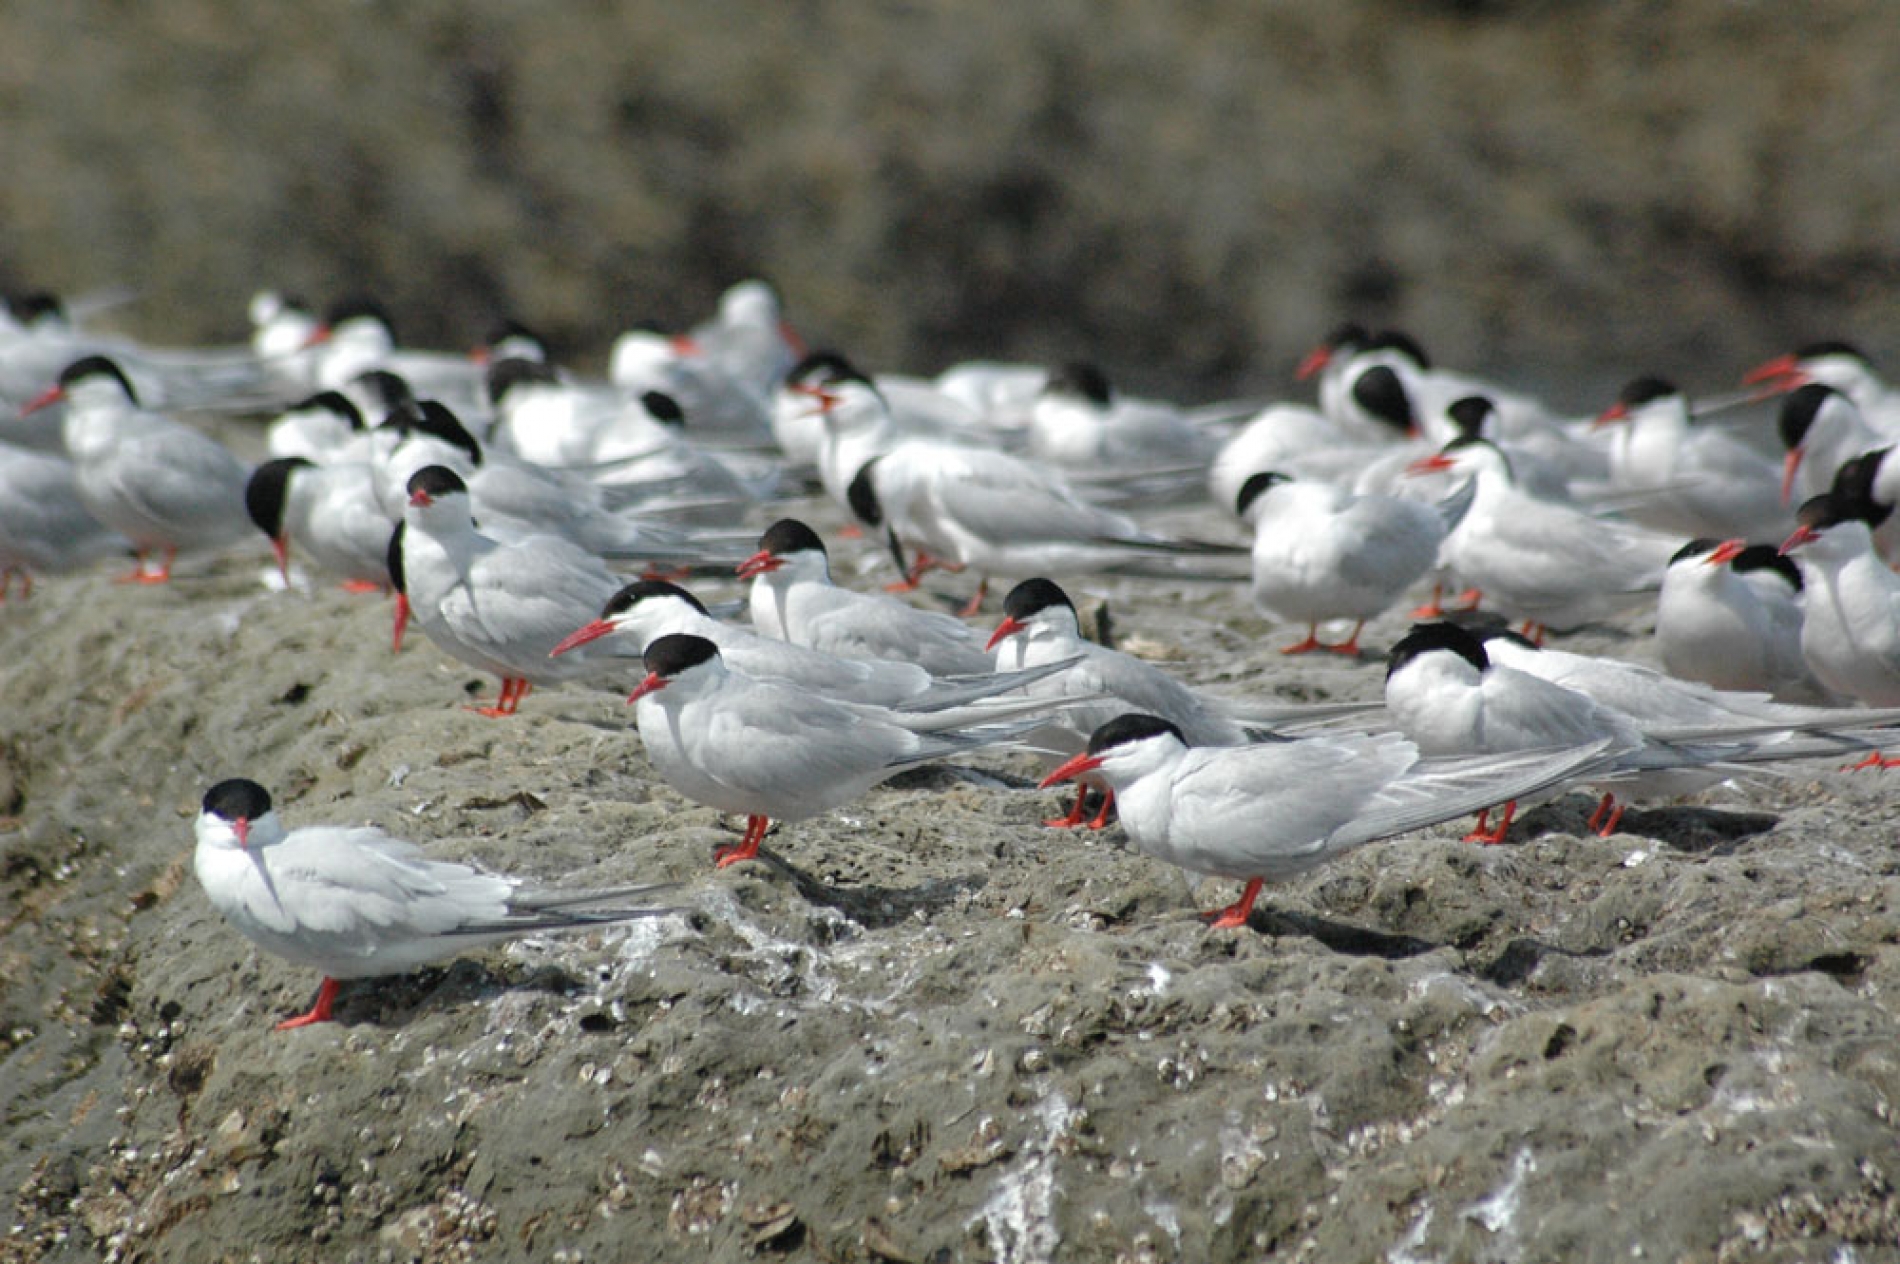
1075,767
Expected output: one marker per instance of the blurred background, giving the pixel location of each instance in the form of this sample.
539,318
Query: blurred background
1564,193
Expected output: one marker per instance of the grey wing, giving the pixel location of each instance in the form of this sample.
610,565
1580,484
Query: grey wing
992,496
524,598
1435,790
361,886
179,477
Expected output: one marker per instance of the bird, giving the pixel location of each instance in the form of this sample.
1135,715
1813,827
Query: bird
766,749
1850,635
1321,553
499,607
1039,627
794,599
331,512
1871,481
159,483
354,902
1548,564
323,427
1080,422
1729,615
1822,429
1708,482
1837,364
1271,811
44,528
1446,691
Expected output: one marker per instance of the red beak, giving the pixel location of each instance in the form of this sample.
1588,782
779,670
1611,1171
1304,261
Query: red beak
826,400
420,497
1436,463
46,398
652,684
1614,413
1075,767
1316,359
1780,370
1801,536
581,636
760,563
1008,627
1726,551
1789,464
683,345
242,828
318,336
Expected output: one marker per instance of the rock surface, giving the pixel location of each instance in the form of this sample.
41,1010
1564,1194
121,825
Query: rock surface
1681,188
933,1030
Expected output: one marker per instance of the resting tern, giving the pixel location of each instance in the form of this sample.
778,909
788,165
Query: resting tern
1851,633
329,511
353,902
499,607
1446,692
1730,617
324,427
1079,422
764,748
1548,564
1321,552
162,485
1275,810
794,599
1707,482
1821,429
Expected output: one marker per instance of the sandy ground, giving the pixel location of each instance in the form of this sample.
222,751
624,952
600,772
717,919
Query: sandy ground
928,1029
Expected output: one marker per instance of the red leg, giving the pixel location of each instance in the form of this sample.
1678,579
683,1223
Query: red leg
850,531
1350,646
1874,760
1237,913
1614,819
1491,838
1101,817
748,847
1533,632
975,603
1433,609
1307,646
513,690
363,586
160,576
1074,818
1471,597
402,622
319,1013
1604,805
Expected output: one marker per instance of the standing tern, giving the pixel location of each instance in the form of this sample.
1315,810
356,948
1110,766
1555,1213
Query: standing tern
331,512
1275,810
1729,615
44,529
1851,632
161,484
353,902
765,749
1822,429
499,607
1321,552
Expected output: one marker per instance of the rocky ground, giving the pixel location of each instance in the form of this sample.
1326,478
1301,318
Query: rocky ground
926,1029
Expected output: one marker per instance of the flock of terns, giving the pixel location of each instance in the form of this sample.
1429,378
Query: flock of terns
509,504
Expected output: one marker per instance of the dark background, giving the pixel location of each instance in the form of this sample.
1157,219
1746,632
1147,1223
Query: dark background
1191,194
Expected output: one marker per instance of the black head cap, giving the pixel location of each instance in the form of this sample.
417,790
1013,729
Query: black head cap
1826,510
822,366
1032,597
512,371
36,306
432,417
640,590
789,535
1424,638
435,480
1133,727
664,409
1644,389
1854,483
1379,391
1798,411
676,652
1403,343
97,366
1257,486
1694,548
389,389
1080,377
332,402
1766,557
265,492
237,800
1469,414
861,495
